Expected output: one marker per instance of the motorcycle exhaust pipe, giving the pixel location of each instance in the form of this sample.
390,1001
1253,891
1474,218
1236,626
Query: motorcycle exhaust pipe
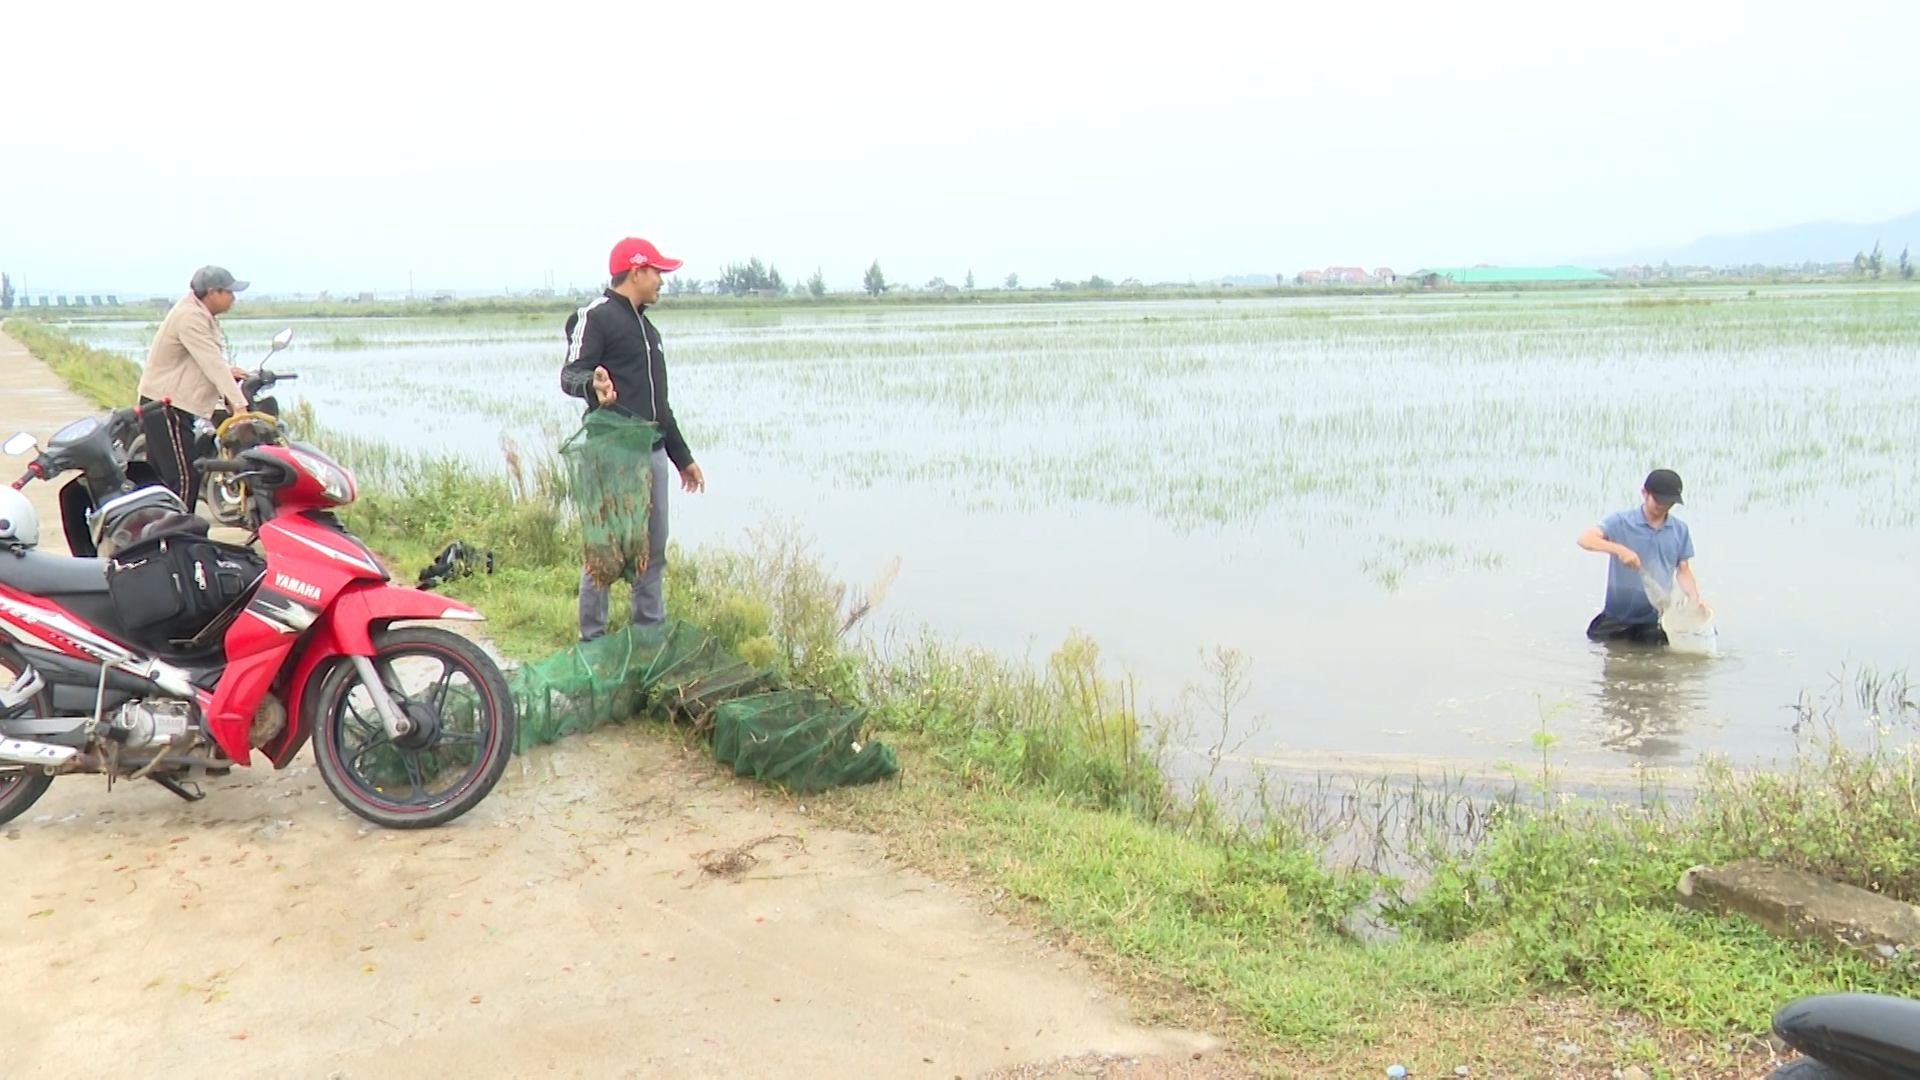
22,752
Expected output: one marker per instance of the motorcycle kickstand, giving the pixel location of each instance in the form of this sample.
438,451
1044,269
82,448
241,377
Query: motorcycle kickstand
187,789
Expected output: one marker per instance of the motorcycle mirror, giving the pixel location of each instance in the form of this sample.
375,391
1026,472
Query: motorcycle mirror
281,340
21,443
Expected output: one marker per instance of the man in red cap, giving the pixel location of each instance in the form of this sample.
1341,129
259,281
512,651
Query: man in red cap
614,360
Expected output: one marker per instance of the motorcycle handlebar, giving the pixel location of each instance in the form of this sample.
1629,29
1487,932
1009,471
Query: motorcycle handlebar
263,380
266,472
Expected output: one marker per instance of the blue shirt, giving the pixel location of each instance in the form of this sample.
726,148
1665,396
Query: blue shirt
1660,549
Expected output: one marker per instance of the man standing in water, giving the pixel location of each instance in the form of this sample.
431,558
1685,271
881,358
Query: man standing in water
614,360
1647,542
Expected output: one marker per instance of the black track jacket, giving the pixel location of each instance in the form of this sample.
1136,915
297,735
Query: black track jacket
612,333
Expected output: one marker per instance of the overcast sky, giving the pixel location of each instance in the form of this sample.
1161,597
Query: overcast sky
483,145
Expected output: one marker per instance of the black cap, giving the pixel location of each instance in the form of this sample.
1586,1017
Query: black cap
1664,486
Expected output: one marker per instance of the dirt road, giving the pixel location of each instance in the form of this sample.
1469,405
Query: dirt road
585,921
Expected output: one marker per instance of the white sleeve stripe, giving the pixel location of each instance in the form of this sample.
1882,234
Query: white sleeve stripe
580,329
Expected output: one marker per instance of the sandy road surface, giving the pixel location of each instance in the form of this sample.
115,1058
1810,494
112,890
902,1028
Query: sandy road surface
567,927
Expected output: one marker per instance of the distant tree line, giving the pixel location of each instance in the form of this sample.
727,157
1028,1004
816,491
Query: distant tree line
1873,264
750,278
754,278
1097,283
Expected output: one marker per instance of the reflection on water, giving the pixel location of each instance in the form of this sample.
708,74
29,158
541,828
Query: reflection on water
1648,698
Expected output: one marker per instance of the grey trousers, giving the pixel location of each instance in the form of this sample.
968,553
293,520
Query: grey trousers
649,606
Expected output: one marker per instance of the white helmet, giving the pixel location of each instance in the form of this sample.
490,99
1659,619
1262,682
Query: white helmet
19,522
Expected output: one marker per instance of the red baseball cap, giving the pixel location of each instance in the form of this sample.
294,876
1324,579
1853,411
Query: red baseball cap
634,251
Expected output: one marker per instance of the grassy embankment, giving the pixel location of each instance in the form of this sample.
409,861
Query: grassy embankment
107,380
1045,791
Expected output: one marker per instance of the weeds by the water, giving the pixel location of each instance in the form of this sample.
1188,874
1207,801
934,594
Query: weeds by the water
107,379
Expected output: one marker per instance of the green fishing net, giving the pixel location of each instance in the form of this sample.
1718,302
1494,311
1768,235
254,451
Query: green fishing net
610,463
796,738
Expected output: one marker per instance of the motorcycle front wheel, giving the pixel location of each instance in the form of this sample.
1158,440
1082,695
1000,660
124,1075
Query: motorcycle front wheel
226,499
463,733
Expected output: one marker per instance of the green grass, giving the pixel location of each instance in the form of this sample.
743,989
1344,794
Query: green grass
1584,896
107,379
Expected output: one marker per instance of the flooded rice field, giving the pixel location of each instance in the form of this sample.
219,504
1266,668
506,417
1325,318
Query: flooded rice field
1375,499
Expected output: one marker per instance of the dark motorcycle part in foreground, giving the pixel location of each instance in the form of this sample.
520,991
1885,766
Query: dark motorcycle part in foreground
1850,1037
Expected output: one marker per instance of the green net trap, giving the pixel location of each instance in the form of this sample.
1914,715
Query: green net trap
798,739
795,738
609,461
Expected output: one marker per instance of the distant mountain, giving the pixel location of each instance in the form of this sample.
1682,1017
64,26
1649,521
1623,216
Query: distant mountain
1821,242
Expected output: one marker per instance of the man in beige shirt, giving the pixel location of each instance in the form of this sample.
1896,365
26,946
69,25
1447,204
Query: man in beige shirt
187,370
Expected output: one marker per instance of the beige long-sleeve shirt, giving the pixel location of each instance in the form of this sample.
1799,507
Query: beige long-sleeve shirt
188,363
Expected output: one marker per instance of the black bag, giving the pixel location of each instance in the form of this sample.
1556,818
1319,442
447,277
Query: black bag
182,588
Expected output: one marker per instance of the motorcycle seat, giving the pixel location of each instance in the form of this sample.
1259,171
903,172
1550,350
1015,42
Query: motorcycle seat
42,574
80,586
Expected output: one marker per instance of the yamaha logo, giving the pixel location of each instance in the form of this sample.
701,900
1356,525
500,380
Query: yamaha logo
295,585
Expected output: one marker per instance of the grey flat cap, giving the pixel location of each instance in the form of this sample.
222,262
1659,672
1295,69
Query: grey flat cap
209,278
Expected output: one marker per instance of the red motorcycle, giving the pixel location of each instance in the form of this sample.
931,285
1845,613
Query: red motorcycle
176,656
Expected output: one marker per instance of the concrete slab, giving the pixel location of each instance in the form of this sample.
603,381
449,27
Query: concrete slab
1793,903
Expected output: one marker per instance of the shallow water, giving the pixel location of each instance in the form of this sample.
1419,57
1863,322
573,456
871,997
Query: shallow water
1375,499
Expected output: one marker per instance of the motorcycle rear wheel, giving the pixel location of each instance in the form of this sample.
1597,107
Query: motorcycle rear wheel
464,718
21,785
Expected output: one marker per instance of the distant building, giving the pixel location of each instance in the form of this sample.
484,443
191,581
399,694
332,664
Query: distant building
1346,275
1384,273
1311,277
1505,275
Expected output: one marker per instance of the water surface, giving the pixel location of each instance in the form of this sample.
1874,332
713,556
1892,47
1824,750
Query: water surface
1375,499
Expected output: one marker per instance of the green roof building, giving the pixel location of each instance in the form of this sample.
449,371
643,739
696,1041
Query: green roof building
1508,275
